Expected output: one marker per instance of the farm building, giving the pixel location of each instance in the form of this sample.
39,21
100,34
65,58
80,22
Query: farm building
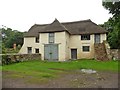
64,41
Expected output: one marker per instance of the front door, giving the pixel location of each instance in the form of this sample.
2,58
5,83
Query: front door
51,52
73,53
97,38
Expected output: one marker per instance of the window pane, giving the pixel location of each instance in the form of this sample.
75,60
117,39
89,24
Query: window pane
36,50
37,39
51,37
86,48
97,38
29,49
51,34
85,37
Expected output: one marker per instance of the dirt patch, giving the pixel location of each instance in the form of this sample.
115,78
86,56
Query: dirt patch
74,79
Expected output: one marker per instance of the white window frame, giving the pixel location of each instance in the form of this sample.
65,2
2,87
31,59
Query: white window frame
86,50
29,50
36,50
85,37
51,37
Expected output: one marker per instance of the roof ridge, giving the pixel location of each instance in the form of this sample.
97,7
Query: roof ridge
40,24
58,23
88,20
63,26
74,28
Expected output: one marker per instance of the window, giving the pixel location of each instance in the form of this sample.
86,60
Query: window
97,38
86,48
37,39
51,37
36,50
85,37
29,49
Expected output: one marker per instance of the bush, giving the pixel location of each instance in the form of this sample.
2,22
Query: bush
5,60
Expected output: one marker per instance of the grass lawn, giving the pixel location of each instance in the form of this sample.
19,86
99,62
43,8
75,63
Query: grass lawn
37,71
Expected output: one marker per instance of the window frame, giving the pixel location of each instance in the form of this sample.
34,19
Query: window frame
37,39
36,50
85,37
29,50
97,38
51,37
86,50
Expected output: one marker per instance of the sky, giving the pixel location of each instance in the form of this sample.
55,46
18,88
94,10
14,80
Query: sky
22,14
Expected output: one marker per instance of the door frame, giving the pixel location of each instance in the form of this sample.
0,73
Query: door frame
51,51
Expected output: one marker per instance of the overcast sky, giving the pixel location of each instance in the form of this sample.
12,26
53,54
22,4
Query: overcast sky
22,14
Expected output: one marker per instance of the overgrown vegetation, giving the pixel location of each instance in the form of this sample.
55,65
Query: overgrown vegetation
9,38
113,24
42,70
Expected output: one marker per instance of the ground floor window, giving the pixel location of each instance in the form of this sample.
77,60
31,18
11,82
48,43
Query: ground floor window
36,50
86,48
29,50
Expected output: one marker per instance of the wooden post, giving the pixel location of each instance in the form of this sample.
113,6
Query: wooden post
14,46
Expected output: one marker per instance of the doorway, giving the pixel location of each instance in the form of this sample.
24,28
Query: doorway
73,53
51,52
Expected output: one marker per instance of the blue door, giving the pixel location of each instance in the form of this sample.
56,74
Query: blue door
51,52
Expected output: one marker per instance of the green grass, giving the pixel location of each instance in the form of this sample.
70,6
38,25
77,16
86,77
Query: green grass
37,71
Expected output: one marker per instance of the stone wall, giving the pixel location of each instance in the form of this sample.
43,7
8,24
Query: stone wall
107,48
115,53
100,52
11,58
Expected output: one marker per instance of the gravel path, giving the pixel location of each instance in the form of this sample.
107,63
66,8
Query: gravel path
75,79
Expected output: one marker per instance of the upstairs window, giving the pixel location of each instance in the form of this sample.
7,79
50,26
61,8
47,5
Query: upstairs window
51,37
85,37
29,50
37,39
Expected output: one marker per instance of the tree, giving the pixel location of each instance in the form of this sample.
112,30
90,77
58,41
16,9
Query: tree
113,24
9,37
17,38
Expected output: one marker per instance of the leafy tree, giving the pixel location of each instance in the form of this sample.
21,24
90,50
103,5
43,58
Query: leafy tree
9,37
17,38
3,48
113,24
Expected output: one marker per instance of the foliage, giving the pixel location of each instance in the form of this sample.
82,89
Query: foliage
113,7
113,24
3,48
0,42
10,37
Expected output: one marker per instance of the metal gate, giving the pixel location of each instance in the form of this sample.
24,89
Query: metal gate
51,52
